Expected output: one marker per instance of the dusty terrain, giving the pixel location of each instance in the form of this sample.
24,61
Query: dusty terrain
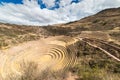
88,49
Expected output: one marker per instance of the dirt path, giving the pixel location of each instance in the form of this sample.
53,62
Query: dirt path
105,51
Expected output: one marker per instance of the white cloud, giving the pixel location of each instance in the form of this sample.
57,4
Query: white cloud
49,3
65,2
29,13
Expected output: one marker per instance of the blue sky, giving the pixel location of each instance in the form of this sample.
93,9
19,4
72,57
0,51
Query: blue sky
40,2
12,1
20,1
47,12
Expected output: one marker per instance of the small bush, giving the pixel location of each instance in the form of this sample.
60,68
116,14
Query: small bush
95,21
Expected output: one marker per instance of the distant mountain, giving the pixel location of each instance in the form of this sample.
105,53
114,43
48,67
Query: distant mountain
105,20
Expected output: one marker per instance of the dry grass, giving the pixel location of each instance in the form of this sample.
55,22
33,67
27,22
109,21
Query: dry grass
30,71
87,73
95,65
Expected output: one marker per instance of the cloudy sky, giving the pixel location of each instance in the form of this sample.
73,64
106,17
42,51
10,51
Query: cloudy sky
46,12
